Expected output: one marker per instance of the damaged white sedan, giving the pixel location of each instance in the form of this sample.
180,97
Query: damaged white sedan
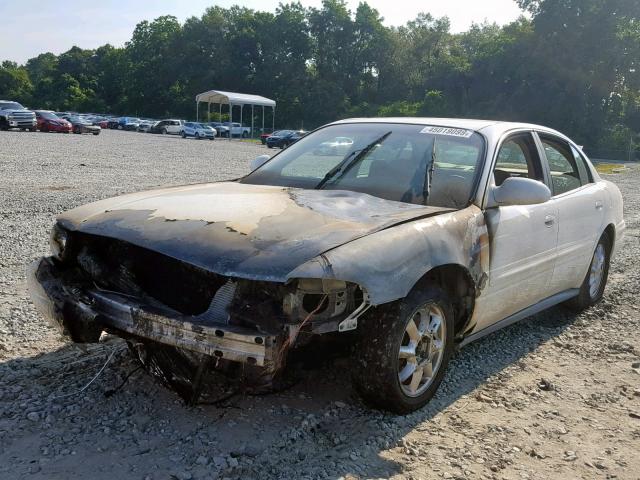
421,236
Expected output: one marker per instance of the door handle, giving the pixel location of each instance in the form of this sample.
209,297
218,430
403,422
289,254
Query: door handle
598,205
549,220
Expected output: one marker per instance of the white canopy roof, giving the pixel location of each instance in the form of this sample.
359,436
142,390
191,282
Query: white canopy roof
218,96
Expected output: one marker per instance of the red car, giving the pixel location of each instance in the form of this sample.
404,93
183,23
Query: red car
50,122
263,137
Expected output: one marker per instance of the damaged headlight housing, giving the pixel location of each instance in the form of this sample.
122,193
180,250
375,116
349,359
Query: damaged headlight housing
326,298
58,241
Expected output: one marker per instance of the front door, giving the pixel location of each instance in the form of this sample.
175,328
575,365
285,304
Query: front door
522,238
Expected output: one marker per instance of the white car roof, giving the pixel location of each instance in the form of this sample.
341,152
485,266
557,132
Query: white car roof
490,128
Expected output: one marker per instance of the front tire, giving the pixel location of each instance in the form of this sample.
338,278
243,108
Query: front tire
594,283
404,350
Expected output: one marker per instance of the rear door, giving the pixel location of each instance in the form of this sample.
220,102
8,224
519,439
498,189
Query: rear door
522,238
580,204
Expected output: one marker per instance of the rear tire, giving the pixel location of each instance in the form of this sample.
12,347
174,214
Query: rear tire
403,351
595,281
184,135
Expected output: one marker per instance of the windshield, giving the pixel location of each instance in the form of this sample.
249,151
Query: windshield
11,106
49,115
408,163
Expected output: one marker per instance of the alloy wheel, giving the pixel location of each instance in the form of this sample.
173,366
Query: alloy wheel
421,350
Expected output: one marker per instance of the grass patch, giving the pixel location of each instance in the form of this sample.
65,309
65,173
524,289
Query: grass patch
610,168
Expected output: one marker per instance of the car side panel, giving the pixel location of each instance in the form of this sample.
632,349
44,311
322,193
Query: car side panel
388,263
523,250
581,222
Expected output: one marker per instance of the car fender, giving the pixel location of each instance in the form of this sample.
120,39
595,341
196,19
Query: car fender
388,263
614,213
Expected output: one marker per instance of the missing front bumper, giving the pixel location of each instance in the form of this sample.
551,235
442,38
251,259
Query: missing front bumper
83,312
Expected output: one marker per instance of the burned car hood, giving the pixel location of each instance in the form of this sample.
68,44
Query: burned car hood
241,230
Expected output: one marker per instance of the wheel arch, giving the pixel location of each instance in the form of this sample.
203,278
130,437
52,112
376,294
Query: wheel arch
610,230
456,280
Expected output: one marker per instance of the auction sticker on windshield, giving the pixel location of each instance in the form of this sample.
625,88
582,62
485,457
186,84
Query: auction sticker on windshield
453,132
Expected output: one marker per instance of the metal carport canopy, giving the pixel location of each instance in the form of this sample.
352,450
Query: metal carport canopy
232,98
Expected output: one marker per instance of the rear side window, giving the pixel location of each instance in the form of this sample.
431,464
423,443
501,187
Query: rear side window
518,157
563,167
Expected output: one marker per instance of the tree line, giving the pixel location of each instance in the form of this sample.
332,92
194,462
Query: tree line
568,64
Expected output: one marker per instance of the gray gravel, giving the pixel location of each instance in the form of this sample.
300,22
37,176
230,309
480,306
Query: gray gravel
555,396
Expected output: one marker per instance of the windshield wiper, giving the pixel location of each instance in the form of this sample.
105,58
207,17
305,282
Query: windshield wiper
350,160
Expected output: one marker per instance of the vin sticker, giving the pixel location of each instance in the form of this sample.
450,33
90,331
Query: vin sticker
453,132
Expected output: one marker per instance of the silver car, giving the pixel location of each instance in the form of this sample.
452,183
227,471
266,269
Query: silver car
198,131
426,234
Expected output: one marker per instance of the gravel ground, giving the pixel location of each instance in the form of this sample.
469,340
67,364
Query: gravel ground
555,396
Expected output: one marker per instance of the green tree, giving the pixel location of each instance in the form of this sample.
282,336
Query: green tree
15,83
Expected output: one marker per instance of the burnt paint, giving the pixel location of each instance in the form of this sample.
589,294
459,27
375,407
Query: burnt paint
390,262
241,230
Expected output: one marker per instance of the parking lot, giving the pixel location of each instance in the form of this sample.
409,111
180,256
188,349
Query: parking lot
555,396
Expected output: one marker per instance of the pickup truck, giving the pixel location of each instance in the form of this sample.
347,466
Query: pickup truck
237,130
14,115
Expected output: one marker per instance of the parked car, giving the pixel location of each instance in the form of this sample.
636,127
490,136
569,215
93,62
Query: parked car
145,125
113,123
14,115
48,121
237,129
284,138
221,130
336,146
427,235
198,131
169,126
264,136
81,125
128,123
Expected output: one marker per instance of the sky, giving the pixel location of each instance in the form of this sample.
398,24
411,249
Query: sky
31,27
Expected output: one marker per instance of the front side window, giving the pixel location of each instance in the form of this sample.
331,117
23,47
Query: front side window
406,163
563,168
518,157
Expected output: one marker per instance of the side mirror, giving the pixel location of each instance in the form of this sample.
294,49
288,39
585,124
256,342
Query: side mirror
520,191
258,162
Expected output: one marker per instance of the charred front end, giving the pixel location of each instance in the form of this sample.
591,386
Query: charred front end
92,284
